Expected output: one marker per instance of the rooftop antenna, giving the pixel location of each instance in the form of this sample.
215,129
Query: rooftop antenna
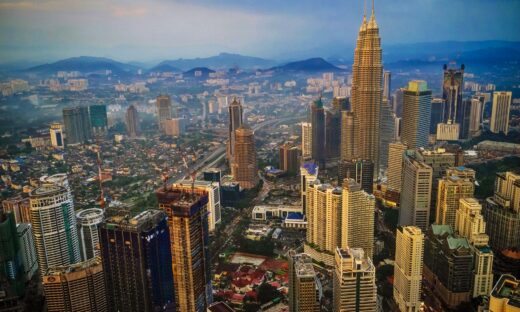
372,7
364,8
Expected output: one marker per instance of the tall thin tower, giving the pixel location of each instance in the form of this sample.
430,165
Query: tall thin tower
367,72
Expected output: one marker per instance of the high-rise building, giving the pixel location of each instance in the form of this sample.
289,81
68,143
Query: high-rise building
447,132
88,221
470,224
452,86
137,261
408,267
306,140
54,226
164,109
415,192
174,126
398,102
190,260
357,218
318,131
77,124
98,119
132,122
476,111
464,119
362,171
387,85
308,174
11,264
387,133
244,166
19,205
437,114
354,286
303,284
502,212
367,72
416,114
347,146
395,165
341,103
77,287
212,175
30,261
213,191
289,157
332,133
505,295
56,133
459,182
235,122
500,112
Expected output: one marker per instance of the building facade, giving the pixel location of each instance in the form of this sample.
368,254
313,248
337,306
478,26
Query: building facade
416,114
500,112
304,286
458,182
132,122
164,109
88,221
244,165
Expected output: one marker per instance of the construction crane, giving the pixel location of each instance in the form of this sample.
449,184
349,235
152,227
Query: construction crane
193,174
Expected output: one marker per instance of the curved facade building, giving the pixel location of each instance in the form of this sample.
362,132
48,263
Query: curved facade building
54,226
88,221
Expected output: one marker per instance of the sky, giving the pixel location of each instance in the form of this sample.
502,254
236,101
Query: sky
148,30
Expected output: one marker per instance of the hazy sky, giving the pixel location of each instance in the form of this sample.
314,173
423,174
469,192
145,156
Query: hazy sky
158,29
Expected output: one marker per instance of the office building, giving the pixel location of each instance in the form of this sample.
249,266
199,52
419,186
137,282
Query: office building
56,133
437,114
362,171
78,129
387,133
500,112
470,224
414,205
398,102
244,165
164,109
235,122
452,86
332,133
347,146
448,265
306,140
76,287
505,296
502,212
448,132
459,182
387,85
318,131
98,119
367,72
190,259
136,257
88,221
341,103
397,128
174,126
289,158
30,261
464,119
304,286
416,114
212,175
11,264
395,165
475,116
408,267
213,191
308,174
354,286
357,218
19,205
132,122
54,226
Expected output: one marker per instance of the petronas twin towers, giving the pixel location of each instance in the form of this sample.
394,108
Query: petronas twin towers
366,97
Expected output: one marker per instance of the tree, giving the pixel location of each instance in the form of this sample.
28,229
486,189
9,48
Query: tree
267,293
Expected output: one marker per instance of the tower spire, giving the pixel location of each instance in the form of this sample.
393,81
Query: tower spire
364,9
372,7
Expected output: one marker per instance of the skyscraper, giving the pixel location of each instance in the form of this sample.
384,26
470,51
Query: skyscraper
414,207
354,286
416,114
137,261
318,131
347,146
77,287
164,109
289,158
500,112
244,166
476,111
88,221
19,205
303,288
387,85
98,119
357,218
54,226
306,140
30,261
11,264
395,165
132,121
408,267
332,133
437,114
456,184
190,260
235,122
362,171
367,72
77,124
56,133
452,85
308,174
464,119
387,133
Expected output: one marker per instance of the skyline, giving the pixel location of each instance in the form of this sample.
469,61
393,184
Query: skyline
54,29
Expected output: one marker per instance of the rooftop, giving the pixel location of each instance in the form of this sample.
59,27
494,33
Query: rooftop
58,270
508,287
220,307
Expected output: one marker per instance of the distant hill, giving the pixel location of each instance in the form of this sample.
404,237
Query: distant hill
204,72
221,61
316,64
84,64
164,67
